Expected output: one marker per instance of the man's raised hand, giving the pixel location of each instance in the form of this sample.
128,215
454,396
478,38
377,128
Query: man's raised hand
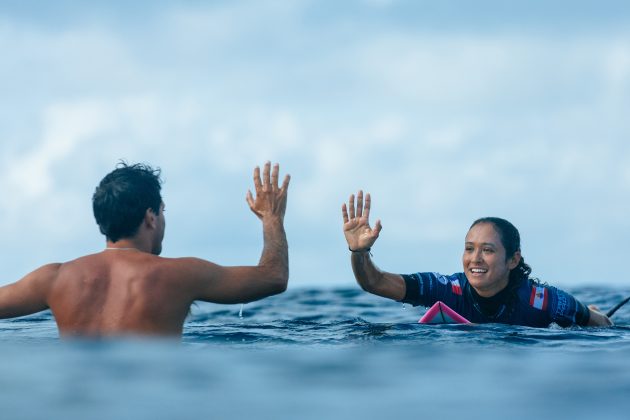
270,200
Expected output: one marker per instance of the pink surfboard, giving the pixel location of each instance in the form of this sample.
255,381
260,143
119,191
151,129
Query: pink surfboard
440,313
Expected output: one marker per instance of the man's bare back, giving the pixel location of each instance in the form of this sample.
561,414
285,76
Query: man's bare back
117,292
128,289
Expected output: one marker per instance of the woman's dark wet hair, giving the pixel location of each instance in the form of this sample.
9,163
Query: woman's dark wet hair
511,241
123,197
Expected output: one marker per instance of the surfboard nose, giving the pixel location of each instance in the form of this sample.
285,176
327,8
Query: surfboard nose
441,313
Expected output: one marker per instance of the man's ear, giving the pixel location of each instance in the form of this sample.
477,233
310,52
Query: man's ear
150,219
515,260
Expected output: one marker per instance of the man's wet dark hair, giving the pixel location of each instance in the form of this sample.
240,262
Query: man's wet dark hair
511,241
123,197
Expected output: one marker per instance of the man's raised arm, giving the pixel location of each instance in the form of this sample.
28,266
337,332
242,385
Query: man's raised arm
215,283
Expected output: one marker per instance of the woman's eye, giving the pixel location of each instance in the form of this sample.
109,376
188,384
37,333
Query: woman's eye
488,250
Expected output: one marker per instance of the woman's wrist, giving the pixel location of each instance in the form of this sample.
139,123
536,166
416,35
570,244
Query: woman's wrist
359,251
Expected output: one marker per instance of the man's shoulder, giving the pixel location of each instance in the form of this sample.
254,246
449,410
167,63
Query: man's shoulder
45,273
140,265
181,262
182,267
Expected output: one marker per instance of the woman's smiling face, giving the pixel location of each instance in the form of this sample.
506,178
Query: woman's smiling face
485,262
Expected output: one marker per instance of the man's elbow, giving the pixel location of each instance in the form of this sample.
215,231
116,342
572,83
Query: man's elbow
280,287
278,283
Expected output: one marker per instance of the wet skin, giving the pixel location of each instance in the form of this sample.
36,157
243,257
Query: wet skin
128,289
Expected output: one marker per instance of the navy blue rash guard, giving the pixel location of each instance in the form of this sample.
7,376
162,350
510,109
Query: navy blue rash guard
527,303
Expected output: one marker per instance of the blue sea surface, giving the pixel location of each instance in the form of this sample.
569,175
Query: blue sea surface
321,354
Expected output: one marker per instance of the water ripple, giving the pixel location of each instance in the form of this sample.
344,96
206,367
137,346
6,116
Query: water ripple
350,318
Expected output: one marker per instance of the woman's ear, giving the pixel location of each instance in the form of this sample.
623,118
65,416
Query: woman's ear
515,260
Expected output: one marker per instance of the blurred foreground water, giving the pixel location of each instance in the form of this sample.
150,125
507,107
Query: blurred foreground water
317,353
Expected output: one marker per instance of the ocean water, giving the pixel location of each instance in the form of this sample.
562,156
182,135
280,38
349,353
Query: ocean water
321,354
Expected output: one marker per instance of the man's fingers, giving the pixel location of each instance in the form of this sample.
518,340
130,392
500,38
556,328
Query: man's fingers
351,205
285,183
257,182
360,203
366,208
250,199
344,212
266,177
274,176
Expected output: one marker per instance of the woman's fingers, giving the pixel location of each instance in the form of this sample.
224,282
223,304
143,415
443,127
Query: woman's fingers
377,228
360,203
362,208
366,209
344,213
351,206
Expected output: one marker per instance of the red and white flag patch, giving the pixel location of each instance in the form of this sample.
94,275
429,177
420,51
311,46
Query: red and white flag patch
457,289
539,297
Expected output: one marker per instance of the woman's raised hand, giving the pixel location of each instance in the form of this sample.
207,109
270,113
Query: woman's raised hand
356,224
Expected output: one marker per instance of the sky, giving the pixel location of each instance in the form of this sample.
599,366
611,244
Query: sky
445,111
